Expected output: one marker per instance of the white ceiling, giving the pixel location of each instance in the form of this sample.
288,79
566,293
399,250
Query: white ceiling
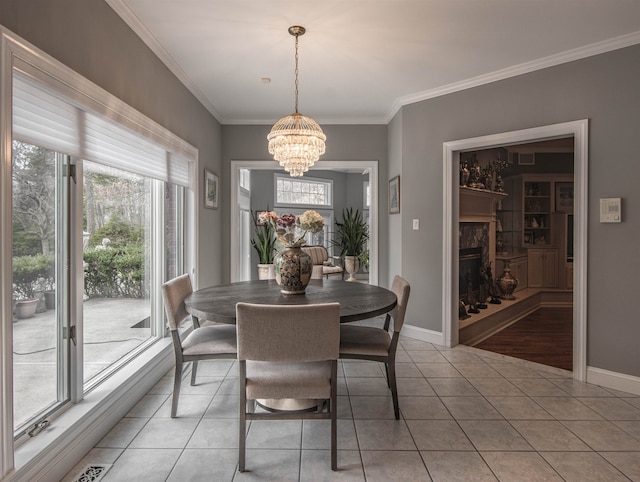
361,60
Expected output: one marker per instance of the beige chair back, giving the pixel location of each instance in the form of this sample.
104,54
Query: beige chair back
287,333
174,292
401,289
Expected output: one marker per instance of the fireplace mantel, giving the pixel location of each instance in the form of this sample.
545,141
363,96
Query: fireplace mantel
478,205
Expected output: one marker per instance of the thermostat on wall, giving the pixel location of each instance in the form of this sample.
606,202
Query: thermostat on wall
610,210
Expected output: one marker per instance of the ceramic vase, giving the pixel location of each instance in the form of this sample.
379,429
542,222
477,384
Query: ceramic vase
507,283
293,270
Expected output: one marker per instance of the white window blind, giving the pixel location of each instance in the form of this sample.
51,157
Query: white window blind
47,118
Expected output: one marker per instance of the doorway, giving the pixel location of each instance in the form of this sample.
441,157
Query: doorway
451,161
516,300
237,167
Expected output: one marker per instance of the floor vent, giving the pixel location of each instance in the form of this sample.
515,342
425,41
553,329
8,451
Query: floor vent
93,473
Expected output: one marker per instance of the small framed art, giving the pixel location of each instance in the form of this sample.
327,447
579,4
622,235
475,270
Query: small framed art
394,195
211,190
564,197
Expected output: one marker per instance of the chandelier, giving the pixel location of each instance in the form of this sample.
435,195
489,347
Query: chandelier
296,141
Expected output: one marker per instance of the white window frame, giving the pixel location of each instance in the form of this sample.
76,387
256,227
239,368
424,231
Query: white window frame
302,180
80,425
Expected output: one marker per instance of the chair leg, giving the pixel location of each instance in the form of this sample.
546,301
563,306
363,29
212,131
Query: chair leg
386,370
242,434
194,369
176,388
394,388
334,417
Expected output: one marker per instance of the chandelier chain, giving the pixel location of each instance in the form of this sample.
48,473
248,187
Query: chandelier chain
296,141
296,71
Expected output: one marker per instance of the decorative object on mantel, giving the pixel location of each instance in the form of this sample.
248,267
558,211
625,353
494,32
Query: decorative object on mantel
487,177
293,266
482,293
296,141
470,298
507,283
488,276
462,311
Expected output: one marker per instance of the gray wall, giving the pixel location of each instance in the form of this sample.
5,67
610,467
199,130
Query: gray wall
344,143
602,88
88,37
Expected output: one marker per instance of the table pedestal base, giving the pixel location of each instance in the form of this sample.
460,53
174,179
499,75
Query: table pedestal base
288,405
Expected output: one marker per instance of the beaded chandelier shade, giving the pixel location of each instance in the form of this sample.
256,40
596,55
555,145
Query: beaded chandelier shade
296,141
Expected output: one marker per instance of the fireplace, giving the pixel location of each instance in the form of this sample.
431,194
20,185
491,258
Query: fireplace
470,262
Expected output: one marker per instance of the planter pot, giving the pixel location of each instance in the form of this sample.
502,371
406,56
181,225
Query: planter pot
293,270
50,299
351,265
266,271
26,308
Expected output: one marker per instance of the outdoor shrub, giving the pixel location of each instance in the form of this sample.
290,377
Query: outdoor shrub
120,234
115,272
31,273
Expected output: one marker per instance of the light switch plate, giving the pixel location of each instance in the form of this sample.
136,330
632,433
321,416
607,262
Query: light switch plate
416,224
610,210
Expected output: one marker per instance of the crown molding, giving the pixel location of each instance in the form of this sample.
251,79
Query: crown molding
127,15
590,50
627,40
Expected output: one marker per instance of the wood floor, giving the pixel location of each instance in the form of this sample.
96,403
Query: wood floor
545,336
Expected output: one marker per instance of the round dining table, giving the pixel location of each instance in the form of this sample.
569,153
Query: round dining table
358,301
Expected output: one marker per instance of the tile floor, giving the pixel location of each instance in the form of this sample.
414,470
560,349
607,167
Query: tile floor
467,415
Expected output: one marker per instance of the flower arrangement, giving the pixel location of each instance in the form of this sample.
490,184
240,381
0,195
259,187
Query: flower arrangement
291,229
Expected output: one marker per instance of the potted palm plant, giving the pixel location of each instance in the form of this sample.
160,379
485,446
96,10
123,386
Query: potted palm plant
264,242
350,237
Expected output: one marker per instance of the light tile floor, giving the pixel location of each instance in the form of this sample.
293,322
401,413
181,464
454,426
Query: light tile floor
467,415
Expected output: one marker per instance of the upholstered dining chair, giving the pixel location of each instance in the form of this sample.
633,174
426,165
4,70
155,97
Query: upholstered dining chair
288,352
377,344
203,343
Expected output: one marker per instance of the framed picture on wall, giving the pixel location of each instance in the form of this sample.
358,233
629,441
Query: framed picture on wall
211,191
564,197
394,195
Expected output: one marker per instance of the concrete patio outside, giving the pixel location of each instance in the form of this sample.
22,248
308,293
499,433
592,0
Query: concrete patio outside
110,332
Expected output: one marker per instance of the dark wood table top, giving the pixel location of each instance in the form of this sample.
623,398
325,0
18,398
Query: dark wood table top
358,301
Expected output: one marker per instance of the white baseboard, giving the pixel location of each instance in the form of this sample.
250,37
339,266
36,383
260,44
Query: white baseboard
423,334
616,381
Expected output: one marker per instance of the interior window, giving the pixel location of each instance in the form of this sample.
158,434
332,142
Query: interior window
303,191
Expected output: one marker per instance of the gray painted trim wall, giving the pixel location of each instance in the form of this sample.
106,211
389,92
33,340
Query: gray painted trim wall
344,143
602,89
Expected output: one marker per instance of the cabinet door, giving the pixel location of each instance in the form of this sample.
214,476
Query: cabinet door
543,268
550,268
523,273
536,268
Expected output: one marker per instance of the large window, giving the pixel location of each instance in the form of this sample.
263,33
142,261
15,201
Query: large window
99,220
303,191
